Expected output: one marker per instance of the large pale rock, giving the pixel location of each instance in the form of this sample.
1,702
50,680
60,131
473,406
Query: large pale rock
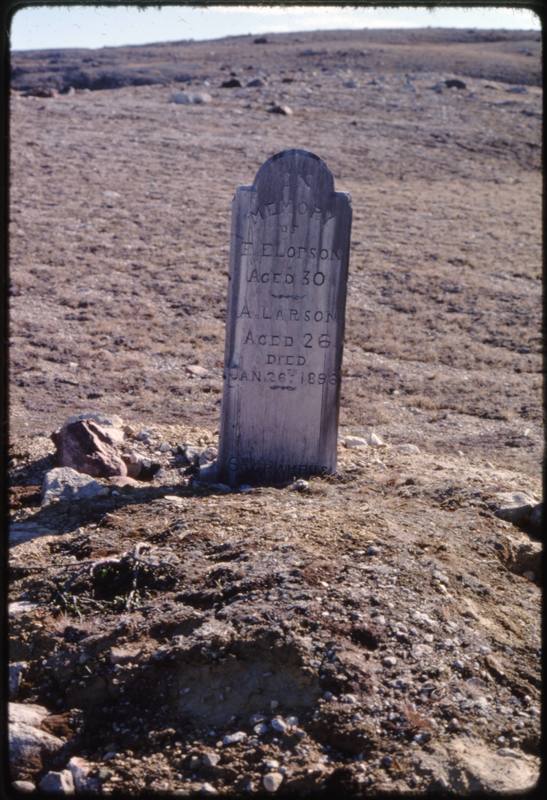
514,507
66,485
28,743
57,782
466,766
81,775
87,447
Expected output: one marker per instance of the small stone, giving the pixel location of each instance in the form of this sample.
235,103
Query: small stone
408,449
59,782
454,83
328,696
271,763
21,607
174,499
254,718
80,770
231,83
352,442
389,661
190,98
197,370
373,550
256,83
234,738
458,664
272,781
292,721
64,484
374,440
454,724
350,84
260,729
210,758
24,786
300,485
208,789
280,109
348,698
16,670
279,724
386,761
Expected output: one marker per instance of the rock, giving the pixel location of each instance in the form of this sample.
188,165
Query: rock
373,550
16,670
111,423
408,449
517,90
58,782
260,40
374,440
20,532
208,789
80,770
27,713
87,447
526,557
300,485
207,456
466,765
260,729
352,442
231,83
64,484
174,500
521,509
272,781
122,483
350,84
280,109
21,607
197,371
454,83
24,786
256,83
279,725
210,758
28,743
190,98
234,738
389,661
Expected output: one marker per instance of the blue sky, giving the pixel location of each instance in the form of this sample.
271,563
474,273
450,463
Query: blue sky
88,26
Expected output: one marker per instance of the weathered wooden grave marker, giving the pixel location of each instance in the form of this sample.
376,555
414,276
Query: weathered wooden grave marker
285,324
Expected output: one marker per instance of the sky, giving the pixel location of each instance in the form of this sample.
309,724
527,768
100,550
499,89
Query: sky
88,26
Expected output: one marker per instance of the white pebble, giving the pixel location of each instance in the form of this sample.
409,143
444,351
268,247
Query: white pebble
234,738
389,661
279,724
272,781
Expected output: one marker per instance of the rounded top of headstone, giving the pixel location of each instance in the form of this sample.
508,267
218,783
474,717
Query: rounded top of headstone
285,167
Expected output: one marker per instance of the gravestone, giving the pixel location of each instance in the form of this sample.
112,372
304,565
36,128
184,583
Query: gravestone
285,324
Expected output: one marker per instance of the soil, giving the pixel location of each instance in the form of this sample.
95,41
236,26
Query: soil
377,614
